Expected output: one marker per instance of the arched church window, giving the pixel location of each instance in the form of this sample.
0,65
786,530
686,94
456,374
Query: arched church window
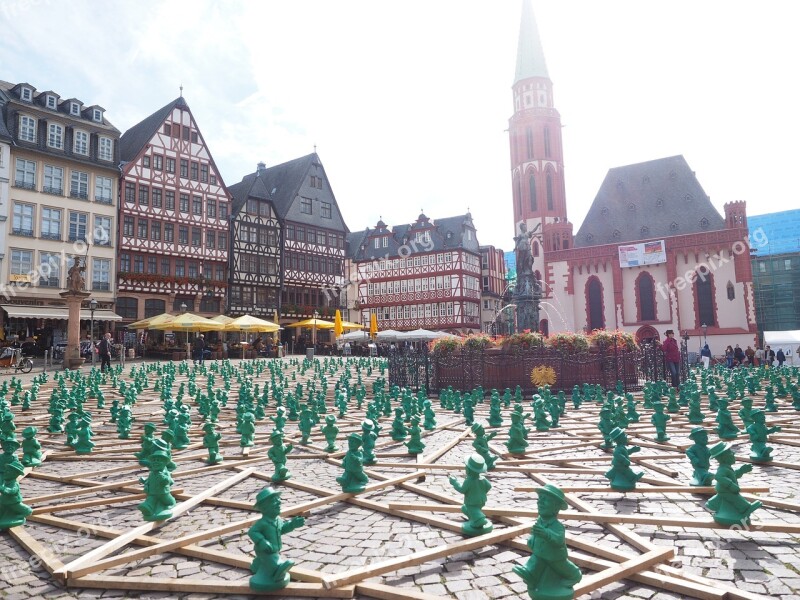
704,294
547,142
646,294
549,192
535,250
594,304
532,193
731,291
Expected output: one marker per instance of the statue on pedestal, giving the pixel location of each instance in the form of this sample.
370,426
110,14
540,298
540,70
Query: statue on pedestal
75,279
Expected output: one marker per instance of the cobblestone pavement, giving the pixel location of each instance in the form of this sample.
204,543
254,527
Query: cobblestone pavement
344,535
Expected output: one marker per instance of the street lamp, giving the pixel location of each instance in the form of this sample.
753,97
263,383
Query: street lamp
92,308
183,311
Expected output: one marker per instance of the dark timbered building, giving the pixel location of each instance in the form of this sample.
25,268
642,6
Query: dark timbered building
173,225
307,250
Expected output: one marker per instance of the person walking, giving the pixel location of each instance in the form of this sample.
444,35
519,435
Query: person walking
729,357
769,356
104,351
780,356
672,356
198,349
705,356
750,354
759,356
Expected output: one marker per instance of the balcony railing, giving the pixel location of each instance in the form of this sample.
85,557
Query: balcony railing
77,238
56,237
79,195
23,232
25,185
49,282
101,286
104,199
56,191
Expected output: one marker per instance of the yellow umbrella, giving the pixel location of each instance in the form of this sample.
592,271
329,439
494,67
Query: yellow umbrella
189,322
337,324
151,322
373,325
251,323
313,324
224,319
351,325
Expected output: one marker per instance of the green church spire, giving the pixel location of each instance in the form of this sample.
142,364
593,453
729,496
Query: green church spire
530,56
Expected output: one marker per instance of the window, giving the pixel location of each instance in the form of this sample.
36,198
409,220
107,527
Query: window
127,226
213,180
169,232
53,180
146,161
170,199
290,232
787,264
77,226
158,162
101,274
180,268
184,167
170,165
49,269
594,304
79,185
130,192
220,273
549,191
153,308
183,234
152,265
184,203
51,102
646,296
26,94
326,210
127,308
211,209
80,142
167,129
138,264
194,175
192,270
186,132
55,136
103,190
97,115
222,241
305,206
223,210
156,197
165,266
176,130
197,206
532,193
22,221
105,148
529,142
547,142
211,239
125,263
704,293
144,195
22,262
155,231
25,174
27,129
51,224
377,242
102,230
204,173
731,291
197,236
75,109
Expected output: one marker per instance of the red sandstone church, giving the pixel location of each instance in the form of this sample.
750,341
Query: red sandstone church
652,254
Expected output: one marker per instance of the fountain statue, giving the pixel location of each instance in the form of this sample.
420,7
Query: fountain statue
528,292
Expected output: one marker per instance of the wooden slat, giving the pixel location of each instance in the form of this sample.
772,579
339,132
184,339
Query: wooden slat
621,571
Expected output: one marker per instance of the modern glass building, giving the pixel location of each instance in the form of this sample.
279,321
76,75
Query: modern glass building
775,254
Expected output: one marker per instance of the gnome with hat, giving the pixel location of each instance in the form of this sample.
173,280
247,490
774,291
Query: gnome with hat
728,504
475,488
549,574
159,502
621,476
277,454
269,571
12,511
700,457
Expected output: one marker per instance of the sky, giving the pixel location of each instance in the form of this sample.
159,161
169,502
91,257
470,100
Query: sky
408,102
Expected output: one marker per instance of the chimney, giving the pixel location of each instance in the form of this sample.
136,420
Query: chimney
261,168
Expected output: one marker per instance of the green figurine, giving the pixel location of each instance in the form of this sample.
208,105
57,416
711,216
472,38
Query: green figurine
659,420
12,511
726,430
247,429
31,448
518,434
368,438
495,412
211,443
148,444
159,502
475,488
269,571
621,476
399,431
415,444
330,431
728,505
354,479
84,443
429,416
606,426
481,444
277,454
700,457
549,574
758,431
306,424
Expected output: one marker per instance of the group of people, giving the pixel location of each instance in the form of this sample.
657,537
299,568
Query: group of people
735,356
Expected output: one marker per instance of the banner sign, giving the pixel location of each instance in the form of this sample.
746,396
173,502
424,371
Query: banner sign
637,255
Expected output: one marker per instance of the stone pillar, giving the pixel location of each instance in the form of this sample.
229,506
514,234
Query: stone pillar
72,354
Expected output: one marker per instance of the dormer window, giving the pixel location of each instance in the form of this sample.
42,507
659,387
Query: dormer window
75,109
26,94
50,102
81,145
97,115
385,241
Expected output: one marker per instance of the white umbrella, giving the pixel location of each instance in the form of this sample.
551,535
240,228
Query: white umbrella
354,336
421,335
387,335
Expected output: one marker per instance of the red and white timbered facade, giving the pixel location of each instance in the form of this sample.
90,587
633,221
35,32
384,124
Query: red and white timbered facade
173,225
426,275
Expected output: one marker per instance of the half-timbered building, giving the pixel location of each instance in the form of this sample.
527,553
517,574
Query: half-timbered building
297,197
494,288
255,254
173,225
420,275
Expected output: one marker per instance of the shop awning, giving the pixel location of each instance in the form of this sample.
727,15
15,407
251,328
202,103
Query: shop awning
56,312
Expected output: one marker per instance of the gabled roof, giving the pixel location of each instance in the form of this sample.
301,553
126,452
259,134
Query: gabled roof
251,186
135,138
655,199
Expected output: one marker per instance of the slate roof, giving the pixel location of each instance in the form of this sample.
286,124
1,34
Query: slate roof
133,140
650,200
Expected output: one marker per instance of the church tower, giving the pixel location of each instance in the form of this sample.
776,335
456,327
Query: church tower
537,159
